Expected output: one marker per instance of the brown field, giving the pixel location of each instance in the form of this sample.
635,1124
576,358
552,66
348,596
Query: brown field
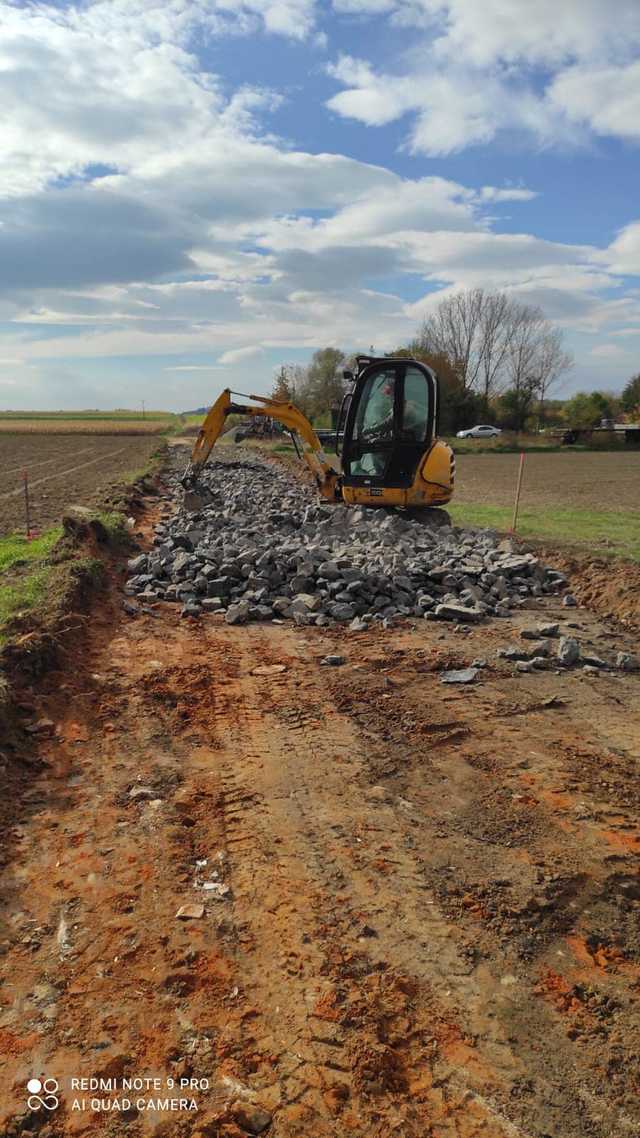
63,471
83,426
588,481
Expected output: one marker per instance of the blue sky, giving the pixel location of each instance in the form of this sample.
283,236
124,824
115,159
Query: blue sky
195,191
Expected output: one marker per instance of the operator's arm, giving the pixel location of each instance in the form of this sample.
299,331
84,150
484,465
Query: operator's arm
380,432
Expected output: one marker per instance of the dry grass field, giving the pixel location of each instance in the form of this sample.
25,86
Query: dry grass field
88,426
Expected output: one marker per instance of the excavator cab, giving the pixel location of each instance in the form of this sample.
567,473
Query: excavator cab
389,435
391,417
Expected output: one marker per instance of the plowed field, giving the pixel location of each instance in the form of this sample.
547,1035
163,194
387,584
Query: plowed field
62,470
586,480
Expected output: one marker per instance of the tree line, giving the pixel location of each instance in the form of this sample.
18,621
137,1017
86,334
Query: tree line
589,409
497,359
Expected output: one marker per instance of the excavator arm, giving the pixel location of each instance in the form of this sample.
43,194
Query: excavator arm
286,413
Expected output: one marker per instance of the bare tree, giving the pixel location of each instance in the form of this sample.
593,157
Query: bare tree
522,360
454,330
496,326
493,341
552,361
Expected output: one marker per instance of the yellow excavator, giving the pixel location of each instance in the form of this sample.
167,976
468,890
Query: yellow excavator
386,437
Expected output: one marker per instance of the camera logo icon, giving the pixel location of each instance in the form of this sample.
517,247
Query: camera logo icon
42,1095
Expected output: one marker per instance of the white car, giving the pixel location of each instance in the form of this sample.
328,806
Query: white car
479,433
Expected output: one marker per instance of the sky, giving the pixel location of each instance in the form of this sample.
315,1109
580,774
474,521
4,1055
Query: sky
193,192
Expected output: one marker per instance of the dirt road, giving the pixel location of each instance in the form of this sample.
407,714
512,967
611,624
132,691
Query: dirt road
419,905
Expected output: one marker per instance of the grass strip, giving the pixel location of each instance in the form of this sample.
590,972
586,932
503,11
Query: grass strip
16,550
604,532
24,594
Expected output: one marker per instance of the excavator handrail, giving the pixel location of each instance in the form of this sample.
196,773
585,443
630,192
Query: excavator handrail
286,413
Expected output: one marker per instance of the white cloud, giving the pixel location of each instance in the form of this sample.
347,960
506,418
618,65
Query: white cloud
623,254
115,82
507,194
235,355
608,351
552,70
607,99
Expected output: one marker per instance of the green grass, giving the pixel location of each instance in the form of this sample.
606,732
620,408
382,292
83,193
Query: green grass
116,527
605,532
23,594
15,548
46,583
25,590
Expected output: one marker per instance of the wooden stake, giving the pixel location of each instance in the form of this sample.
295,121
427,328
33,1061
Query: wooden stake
518,489
25,477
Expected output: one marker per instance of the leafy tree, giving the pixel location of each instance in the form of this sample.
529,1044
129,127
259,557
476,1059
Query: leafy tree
515,406
587,409
284,385
324,385
289,384
630,398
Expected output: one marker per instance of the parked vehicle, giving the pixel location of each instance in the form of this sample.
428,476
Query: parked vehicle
481,432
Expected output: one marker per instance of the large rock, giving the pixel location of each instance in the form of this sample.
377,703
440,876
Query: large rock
568,651
238,613
450,611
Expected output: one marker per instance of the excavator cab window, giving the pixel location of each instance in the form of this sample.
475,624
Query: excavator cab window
390,423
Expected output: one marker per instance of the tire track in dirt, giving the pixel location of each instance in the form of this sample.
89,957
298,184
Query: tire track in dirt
284,792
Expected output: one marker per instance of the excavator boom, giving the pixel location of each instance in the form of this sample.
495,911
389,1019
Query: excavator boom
326,476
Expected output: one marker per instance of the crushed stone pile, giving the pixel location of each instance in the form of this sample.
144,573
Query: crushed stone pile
254,543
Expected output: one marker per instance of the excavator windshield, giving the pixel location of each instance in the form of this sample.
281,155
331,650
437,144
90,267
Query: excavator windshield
390,423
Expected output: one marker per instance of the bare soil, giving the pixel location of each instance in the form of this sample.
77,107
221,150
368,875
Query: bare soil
63,470
585,480
610,587
423,918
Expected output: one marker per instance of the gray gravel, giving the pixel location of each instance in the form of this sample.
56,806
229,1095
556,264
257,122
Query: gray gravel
256,544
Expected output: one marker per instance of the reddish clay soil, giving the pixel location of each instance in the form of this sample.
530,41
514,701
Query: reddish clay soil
608,587
422,913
